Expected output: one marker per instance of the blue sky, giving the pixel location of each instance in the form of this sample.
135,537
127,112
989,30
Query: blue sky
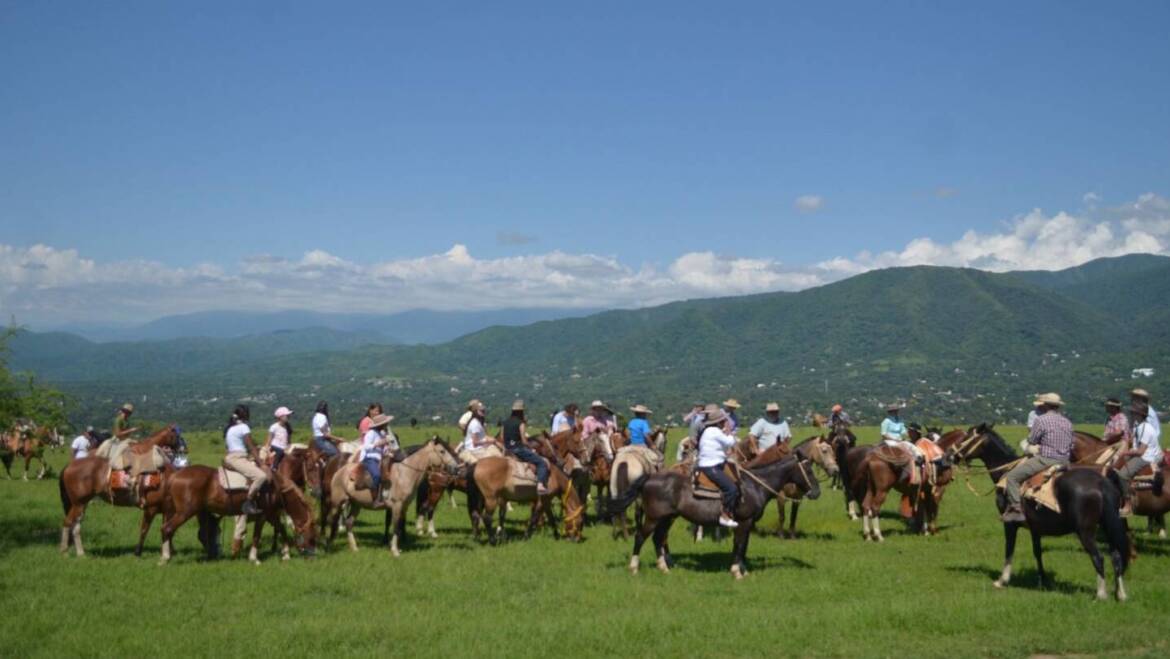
196,137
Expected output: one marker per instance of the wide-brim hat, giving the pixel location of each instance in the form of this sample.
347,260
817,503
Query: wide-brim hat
732,403
381,420
715,418
282,411
1113,402
598,405
894,407
772,407
1141,393
475,404
129,407
641,409
1049,399
518,406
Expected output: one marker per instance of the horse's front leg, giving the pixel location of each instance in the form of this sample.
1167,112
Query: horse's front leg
148,514
1010,530
792,520
254,550
393,513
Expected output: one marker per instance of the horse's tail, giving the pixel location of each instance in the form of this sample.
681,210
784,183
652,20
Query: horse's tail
618,504
66,504
623,476
421,498
1115,529
474,496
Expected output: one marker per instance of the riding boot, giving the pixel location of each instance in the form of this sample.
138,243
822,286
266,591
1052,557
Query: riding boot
250,507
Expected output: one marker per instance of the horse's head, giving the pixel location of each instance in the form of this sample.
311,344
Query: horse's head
805,479
440,456
822,453
299,510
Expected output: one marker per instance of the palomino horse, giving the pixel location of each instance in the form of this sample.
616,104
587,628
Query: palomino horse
24,441
669,494
403,482
491,484
818,451
82,480
1090,449
629,466
1087,501
196,491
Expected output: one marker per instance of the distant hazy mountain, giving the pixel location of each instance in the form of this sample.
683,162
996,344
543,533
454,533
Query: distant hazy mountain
417,326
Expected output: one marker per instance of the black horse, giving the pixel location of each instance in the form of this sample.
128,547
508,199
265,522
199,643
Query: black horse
667,495
843,440
1087,500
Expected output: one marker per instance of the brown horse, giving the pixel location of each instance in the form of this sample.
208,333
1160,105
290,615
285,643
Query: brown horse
24,440
430,493
1090,449
299,466
196,491
818,451
82,480
871,477
491,484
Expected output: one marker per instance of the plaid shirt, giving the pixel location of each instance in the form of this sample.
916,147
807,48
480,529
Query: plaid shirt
1054,433
1118,424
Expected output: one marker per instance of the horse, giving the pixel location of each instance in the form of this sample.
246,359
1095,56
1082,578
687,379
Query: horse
1090,449
196,492
668,494
491,484
842,439
83,479
299,466
1087,501
25,441
818,451
403,481
430,493
627,467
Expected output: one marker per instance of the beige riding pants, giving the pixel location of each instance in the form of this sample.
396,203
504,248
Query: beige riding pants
242,463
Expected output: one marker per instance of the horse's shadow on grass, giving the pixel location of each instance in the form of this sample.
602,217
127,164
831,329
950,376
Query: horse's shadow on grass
721,562
1025,579
26,532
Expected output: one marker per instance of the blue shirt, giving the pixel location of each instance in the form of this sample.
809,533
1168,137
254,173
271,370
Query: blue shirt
639,431
892,428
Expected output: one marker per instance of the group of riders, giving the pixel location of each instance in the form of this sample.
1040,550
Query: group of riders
712,434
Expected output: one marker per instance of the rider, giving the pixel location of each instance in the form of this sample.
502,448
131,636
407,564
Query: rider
714,445
639,427
476,442
372,410
600,421
374,444
323,438
83,443
1117,425
1052,433
769,429
466,418
120,429
241,456
730,406
515,432
564,420
1143,396
278,436
1146,451
838,416
894,432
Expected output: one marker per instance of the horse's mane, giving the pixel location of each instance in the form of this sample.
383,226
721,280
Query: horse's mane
999,442
774,453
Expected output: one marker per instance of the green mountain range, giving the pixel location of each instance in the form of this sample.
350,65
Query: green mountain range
954,344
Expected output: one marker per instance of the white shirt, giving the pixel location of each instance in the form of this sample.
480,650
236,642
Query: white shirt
475,435
234,438
560,423
1153,420
768,433
279,436
373,444
713,447
1032,418
321,425
1147,437
80,446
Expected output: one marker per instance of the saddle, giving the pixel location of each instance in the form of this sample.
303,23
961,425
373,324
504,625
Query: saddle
1150,479
705,488
232,481
651,460
1041,488
522,471
130,468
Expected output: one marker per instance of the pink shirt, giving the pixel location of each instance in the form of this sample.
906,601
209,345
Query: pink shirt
592,424
364,425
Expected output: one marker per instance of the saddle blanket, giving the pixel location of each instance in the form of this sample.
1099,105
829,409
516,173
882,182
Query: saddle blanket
705,488
651,460
522,471
231,480
1040,488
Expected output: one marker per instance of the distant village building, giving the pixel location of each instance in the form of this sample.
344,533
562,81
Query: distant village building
1142,373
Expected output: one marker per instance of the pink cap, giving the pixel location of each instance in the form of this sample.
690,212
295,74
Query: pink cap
282,411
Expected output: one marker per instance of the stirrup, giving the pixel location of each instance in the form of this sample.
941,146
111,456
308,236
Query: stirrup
250,508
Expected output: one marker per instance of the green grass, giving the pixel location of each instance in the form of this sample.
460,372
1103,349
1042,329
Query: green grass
827,593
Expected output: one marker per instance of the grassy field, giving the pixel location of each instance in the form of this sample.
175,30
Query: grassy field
827,593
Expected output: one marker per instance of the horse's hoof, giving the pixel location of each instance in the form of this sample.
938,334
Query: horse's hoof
433,535
662,566
737,573
1102,596
998,583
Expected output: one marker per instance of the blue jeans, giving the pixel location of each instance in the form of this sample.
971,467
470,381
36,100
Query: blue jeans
277,456
374,467
325,446
525,454
726,486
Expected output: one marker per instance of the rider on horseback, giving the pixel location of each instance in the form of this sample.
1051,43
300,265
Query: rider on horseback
600,421
1052,433
894,433
769,429
515,431
1146,451
242,456
119,429
374,444
714,446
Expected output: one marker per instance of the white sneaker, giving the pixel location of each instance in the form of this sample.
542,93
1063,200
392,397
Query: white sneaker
728,522
541,489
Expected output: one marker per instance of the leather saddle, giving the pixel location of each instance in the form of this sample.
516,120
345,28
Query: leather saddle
231,481
522,471
705,488
1149,478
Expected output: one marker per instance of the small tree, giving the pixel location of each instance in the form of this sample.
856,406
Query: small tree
22,397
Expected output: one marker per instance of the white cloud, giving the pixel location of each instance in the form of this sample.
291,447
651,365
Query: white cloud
809,203
43,284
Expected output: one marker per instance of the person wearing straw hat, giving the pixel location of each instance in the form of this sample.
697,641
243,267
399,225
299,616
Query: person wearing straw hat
565,419
639,427
466,418
476,442
730,406
1049,442
1143,396
1146,451
714,446
375,443
600,422
515,431
120,429
769,429
1116,423
279,434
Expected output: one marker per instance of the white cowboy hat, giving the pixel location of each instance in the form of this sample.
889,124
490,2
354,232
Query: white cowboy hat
1049,399
129,407
475,404
641,409
598,405
772,407
381,420
715,418
1141,393
518,406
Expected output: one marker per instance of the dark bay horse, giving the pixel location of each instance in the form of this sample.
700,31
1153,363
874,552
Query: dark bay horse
1087,500
82,480
1152,503
668,494
195,492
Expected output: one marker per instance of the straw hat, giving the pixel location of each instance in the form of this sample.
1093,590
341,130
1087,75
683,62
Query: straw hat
129,407
1113,402
1049,399
732,403
518,405
772,407
894,407
381,420
641,409
598,405
715,418
1140,393
475,404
